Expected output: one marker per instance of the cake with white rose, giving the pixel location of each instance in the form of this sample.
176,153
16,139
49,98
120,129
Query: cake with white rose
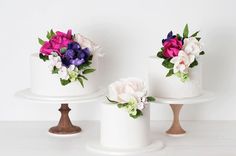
67,65
125,122
176,71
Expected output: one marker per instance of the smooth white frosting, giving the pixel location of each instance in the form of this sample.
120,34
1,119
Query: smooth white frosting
172,87
120,131
43,82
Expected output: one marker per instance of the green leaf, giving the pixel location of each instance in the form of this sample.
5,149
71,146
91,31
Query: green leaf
150,99
139,113
87,71
63,50
198,38
160,54
48,35
43,57
81,81
64,82
202,53
194,63
90,58
55,70
85,78
171,72
52,33
111,101
41,42
179,37
162,48
166,63
186,31
195,34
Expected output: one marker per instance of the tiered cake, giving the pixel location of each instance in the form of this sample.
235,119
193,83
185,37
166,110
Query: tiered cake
176,70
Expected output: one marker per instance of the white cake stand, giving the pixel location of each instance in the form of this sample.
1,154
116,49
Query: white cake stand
64,127
176,105
95,146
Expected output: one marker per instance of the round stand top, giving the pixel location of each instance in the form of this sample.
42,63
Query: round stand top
26,94
204,97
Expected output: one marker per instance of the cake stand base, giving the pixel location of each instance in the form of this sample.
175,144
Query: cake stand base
95,146
176,129
64,127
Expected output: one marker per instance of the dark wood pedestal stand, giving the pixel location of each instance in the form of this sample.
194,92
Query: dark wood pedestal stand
65,126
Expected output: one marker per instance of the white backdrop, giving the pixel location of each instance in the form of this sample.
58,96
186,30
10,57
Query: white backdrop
129,31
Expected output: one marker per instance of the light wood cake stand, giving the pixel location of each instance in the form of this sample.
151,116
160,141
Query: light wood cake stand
64,126
177,104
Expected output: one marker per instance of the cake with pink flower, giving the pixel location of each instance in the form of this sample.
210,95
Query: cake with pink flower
67,65
176,70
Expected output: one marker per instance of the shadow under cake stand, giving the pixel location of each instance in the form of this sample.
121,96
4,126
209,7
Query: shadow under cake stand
65,126
177,104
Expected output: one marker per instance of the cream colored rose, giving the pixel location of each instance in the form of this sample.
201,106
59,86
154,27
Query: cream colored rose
86,43
127,89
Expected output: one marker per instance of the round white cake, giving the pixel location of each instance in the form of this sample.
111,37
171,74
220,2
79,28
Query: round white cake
172,87
43,82
120,131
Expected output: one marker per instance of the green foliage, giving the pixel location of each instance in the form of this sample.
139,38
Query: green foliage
138,114
186,31
198,38
150,99
195,34
82,76
81,81
194,63
171,72
179,37
63,50
166,63
112,101
64,82
202,53
43,57
50,34
160,54
41,42
87,71
55,70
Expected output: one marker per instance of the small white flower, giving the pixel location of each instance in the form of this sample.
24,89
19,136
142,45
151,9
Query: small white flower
192,46
182,62
71,68
141,106
63,73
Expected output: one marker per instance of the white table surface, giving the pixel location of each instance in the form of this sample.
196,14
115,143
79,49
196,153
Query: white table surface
204,138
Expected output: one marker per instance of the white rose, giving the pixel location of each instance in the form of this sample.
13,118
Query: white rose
86,43
182,62
126,89
192,46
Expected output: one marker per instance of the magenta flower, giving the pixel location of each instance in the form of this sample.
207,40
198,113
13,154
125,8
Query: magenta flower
172,47
58,41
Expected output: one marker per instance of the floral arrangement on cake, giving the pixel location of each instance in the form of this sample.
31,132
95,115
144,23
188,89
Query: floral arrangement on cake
180,53
69,55
130,94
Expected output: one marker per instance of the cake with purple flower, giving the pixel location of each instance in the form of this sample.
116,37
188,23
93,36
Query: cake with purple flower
176,70
67,65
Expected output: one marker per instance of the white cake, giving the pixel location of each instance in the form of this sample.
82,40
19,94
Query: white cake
120,131
43,82
172,87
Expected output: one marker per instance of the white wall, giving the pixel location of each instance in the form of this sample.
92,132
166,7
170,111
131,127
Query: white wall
129,31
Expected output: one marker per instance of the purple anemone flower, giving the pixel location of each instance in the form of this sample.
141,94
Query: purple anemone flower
75,55
169,37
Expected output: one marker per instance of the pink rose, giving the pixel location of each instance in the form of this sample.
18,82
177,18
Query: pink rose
58,41
172,47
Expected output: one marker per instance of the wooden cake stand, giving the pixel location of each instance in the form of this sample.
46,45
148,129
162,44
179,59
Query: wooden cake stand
177,104
64,127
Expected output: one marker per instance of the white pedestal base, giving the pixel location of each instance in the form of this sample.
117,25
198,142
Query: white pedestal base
95,146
